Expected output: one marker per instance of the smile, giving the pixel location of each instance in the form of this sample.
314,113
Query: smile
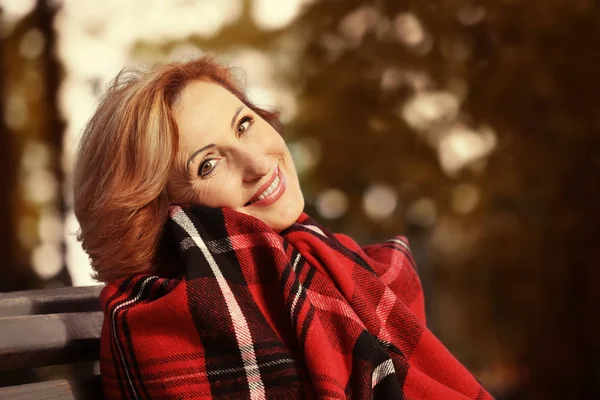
270,192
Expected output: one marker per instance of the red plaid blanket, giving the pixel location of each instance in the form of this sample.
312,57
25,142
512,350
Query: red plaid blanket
259,315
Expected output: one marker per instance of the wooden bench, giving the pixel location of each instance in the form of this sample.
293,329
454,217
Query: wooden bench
42,328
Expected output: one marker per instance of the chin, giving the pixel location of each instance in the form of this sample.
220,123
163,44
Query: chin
279,220
280,225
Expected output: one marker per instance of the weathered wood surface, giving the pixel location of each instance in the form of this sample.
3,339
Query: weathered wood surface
50,301
38,340
85,389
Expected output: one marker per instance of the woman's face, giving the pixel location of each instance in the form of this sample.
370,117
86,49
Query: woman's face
230,157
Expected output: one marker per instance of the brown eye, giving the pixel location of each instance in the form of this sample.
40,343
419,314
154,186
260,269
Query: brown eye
244,124
206,167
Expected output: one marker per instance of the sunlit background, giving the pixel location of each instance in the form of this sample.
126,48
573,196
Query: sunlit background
469,126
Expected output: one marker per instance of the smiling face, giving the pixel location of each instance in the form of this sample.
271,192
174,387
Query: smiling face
230,157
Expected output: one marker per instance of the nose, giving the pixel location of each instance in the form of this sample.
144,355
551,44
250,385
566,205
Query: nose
254,164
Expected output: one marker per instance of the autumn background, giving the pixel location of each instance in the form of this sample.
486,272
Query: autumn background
469,126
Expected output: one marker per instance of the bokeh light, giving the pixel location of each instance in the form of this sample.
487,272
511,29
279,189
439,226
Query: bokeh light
47,260
462,146
422,212
332,203
409,30
275,14
379,201
464,197
15,111
470,14
27,232
357,23
32,44
40,186
14,10
306,154
50,227
428,108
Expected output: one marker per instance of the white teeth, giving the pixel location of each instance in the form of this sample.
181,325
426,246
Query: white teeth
269,190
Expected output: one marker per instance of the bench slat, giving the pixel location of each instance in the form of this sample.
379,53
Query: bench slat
63,389
38,340
50,301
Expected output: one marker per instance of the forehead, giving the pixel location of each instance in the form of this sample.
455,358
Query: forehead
202,107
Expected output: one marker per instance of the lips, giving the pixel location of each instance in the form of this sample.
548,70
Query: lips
270,191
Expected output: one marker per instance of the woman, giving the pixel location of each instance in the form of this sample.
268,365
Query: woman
218,285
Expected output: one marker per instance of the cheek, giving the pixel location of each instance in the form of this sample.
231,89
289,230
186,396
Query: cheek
284,150
218,192
270,138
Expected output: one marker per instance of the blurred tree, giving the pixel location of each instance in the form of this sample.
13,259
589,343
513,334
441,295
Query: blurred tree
510,281
30,142
7,244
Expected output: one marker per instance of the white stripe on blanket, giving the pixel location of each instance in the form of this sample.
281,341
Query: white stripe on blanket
240,325
384,369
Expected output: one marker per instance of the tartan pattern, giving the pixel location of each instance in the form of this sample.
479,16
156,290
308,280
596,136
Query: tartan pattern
259,315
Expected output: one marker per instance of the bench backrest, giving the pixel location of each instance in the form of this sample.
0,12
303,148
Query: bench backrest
50,327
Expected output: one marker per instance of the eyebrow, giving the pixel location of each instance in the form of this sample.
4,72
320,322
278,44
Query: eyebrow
212,145
235,115
194,154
